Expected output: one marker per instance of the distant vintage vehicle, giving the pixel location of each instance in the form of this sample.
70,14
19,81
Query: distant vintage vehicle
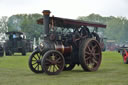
124,52
66,43
111,45
102,44
17,42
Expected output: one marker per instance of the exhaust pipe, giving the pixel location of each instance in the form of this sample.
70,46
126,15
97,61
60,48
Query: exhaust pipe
46,21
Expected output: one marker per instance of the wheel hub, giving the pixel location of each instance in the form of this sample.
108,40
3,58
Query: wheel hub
53,62
38,61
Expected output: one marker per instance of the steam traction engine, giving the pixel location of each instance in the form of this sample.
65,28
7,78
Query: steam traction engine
66,43
17,42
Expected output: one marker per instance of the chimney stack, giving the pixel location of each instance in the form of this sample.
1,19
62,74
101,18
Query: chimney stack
46,21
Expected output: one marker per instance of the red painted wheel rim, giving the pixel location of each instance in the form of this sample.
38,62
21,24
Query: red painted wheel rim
125,58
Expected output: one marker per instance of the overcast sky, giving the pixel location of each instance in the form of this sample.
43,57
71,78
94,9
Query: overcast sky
65,8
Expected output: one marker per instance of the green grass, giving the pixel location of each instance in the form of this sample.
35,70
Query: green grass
14,70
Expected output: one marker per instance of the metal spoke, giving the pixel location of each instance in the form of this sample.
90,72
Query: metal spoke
59,62
58,59
34,57
59,66
50,61
89,49
87,58
34,63
36,66
34,60
94,60
87,53
38,56
95,57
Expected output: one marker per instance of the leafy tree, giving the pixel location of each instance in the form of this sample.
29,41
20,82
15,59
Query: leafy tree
30,26
14,22
116,26
26,23
3,27
3,24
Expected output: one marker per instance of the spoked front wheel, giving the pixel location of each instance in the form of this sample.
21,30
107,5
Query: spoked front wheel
53,62
35,62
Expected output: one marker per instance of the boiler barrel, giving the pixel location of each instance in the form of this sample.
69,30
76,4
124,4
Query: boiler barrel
63,49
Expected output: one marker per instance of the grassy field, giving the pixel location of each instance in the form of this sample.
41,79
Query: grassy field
14,70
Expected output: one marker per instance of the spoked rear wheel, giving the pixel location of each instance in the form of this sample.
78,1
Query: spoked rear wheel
53,62
35,62
90,54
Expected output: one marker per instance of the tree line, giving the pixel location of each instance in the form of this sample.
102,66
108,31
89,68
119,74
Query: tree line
116,26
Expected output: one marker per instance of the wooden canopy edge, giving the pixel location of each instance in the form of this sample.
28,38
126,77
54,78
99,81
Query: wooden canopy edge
63,22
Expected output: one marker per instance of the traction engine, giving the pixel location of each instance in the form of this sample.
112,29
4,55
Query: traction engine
66,43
